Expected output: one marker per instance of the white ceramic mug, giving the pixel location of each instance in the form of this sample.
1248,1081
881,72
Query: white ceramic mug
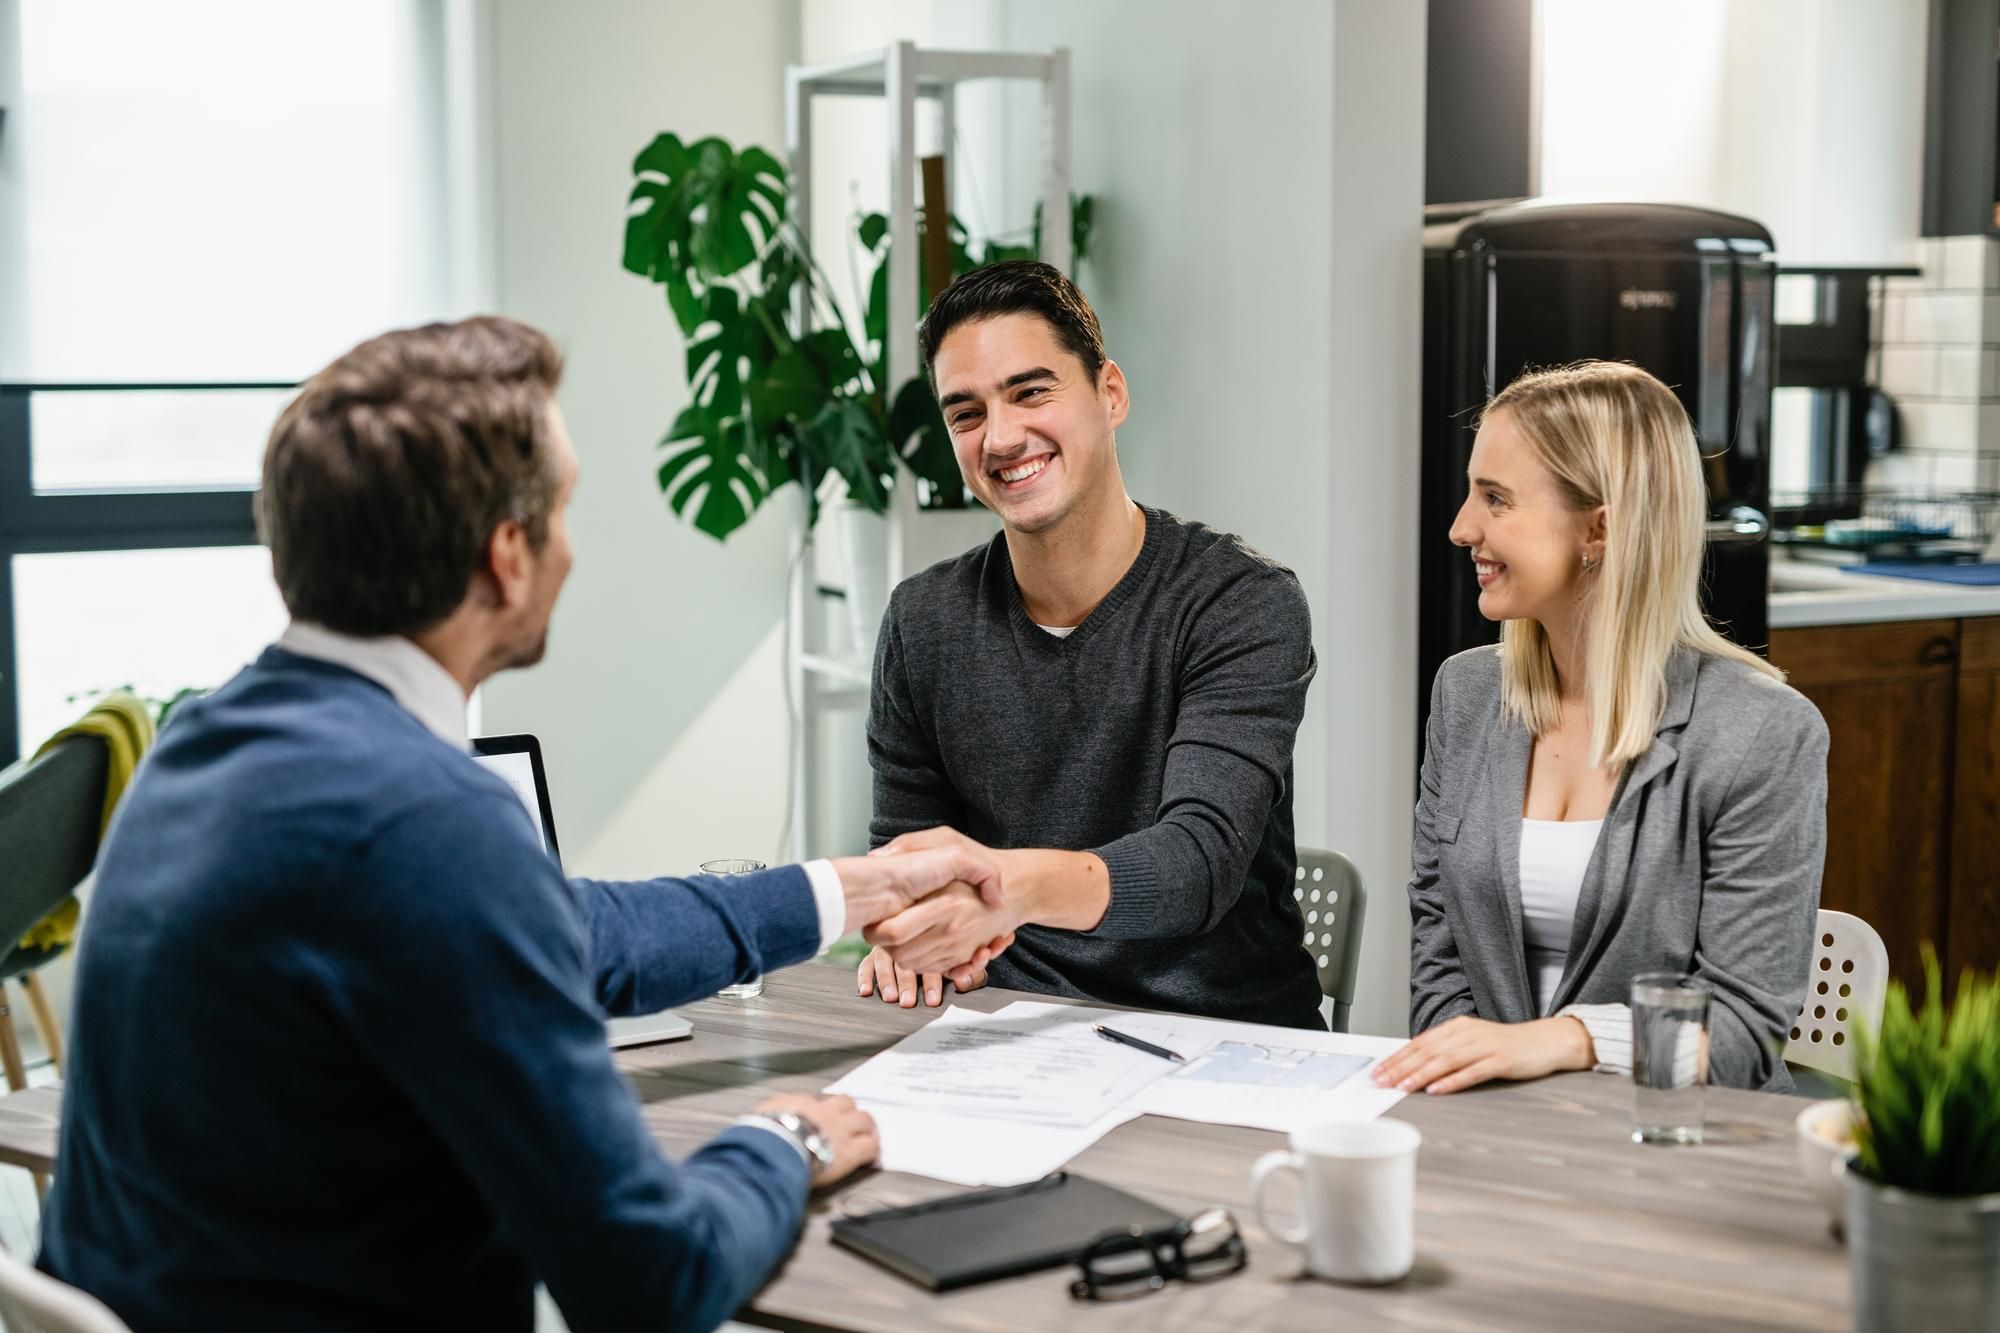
1358,1186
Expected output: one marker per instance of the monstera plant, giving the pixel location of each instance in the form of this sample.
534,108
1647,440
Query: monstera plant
772,403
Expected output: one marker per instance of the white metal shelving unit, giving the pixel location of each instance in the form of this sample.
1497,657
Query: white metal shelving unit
900,74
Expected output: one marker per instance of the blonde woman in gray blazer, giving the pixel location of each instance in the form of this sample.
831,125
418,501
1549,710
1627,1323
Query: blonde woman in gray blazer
1614,788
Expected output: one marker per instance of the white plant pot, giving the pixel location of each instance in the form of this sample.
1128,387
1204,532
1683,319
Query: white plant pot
864,542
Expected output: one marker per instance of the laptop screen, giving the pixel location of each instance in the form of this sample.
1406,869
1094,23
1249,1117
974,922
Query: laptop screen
518,761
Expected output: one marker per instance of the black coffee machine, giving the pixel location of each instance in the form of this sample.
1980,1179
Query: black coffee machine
1685,293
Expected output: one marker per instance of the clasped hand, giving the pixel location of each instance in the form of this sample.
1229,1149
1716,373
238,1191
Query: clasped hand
953,934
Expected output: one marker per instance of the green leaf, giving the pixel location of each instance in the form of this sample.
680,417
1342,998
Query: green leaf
656,232
873,229
791,386
997,253
702,211
918,434
1928,1088
1082,211
665,156
875,317
724,340
834,356
711,465
683,302
847,438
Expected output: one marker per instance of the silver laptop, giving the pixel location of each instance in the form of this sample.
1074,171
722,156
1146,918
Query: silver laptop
518,759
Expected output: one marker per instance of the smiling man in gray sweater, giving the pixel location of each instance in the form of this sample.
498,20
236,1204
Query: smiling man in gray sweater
1107,691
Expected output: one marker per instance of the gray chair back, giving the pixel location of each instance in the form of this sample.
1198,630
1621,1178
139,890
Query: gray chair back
51,813
1333,901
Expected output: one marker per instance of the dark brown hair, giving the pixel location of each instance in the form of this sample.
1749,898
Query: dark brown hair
385,478
1016,287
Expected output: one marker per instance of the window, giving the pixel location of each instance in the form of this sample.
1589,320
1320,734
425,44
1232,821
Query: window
199,613
194,216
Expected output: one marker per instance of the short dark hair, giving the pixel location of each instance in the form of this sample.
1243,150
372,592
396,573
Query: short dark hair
1015,287
385,478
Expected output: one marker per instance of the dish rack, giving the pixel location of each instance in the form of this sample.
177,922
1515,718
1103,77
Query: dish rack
1911,524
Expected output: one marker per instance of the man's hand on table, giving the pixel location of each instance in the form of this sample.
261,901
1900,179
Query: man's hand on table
880,975
848,1129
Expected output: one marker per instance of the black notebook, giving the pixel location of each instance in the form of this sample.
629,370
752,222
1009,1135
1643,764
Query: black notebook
996,1233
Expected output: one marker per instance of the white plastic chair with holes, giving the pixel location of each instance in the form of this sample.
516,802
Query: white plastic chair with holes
1333,901
33,1302
1850,980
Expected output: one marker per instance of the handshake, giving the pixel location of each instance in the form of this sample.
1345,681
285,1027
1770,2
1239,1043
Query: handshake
932,905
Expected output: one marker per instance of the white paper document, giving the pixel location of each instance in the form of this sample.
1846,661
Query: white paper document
1043,1065
967,1150
1007,1097
1248,1074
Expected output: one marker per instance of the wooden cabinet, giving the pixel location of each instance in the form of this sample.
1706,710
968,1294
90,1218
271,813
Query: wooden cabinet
1972,923
1912,711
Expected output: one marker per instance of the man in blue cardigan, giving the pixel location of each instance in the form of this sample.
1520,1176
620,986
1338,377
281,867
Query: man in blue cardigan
338,1056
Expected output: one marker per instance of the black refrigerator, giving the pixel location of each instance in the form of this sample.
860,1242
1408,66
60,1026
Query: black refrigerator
1683,292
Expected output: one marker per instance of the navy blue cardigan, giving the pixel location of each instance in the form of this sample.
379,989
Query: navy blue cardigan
338,1060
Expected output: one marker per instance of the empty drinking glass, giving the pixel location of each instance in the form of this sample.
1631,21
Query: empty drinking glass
754,986
1669,1057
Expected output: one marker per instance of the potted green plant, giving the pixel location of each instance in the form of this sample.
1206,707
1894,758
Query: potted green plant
773,402
1923,1185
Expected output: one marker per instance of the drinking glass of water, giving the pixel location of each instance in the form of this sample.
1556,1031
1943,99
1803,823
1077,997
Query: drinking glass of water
1669,1057
754,986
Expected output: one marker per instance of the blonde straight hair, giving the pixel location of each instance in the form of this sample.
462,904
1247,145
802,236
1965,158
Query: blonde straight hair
1615,436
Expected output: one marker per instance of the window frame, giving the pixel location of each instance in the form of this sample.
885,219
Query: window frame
63,521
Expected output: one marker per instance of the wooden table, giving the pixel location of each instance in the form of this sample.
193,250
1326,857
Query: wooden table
1534,1208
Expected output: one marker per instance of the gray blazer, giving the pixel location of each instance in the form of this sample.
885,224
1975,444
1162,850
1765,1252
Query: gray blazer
1708,862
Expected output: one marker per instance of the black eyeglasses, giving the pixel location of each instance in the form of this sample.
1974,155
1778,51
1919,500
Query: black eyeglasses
1122,1264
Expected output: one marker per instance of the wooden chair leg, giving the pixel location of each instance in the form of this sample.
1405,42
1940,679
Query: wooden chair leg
45,1019
10,1046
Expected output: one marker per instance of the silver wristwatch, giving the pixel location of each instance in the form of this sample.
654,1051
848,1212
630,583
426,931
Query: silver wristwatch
816,1146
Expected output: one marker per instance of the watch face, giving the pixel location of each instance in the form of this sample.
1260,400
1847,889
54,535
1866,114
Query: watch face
815,1143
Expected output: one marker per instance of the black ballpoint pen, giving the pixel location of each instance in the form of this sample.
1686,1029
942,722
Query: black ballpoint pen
1112,1034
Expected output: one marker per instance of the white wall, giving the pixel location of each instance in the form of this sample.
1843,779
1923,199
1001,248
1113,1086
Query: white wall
1824,128
1368,669
1806,115
660,704
1255,267
1631,97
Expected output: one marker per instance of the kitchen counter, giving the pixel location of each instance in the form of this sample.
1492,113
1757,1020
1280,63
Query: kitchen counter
1812,594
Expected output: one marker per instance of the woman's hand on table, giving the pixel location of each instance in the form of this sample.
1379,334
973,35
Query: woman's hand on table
1464,1052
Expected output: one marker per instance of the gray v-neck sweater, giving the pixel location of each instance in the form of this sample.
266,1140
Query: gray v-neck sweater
1158,734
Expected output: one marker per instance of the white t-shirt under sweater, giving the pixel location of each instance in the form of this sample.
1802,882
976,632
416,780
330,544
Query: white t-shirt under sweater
1554,856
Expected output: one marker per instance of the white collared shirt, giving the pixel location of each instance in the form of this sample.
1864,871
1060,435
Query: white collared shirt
414,678
426,691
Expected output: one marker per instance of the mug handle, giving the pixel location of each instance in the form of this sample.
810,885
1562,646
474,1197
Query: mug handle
1270,1164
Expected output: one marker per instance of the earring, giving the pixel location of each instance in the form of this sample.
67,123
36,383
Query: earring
1589,565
